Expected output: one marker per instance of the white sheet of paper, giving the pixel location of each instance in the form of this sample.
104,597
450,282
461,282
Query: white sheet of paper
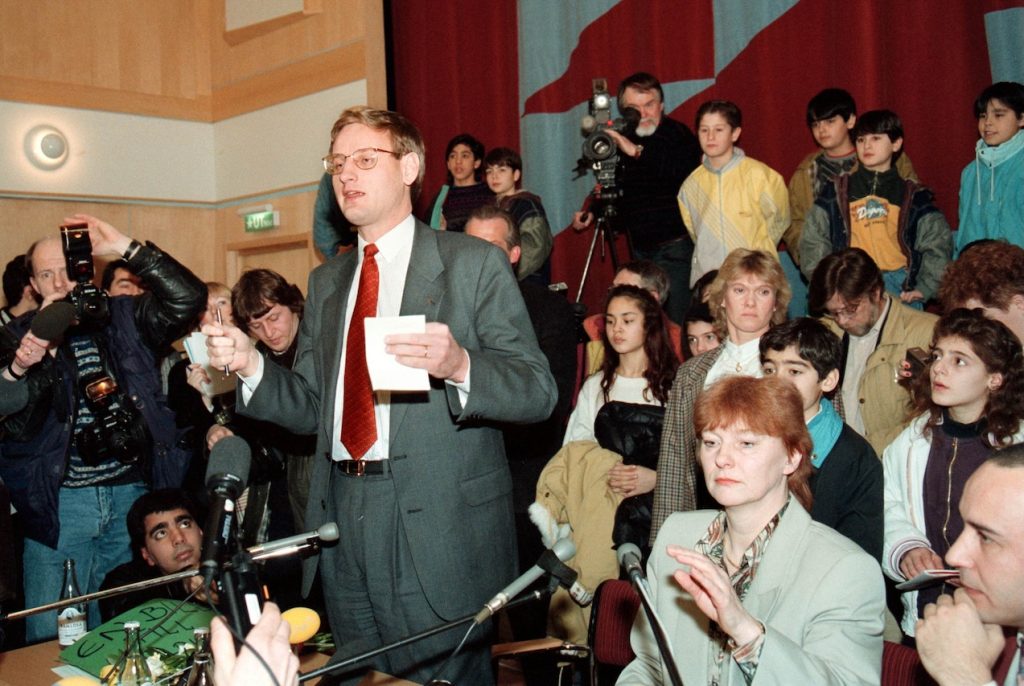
386,374
195,348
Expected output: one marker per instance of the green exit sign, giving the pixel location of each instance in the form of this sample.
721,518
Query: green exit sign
261,221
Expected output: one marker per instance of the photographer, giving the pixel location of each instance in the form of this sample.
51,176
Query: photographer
657,158
95,433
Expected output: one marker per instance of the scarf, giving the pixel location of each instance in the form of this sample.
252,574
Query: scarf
824,428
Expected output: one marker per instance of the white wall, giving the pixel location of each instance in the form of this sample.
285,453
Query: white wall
125,156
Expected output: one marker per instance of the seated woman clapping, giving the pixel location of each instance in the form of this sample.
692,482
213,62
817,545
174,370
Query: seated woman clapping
758,589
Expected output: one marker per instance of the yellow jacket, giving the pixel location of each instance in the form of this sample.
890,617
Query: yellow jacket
744,204
573,499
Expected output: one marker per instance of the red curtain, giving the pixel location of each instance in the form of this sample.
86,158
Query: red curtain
455,69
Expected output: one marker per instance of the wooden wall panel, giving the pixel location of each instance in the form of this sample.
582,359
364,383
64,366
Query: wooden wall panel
174,59
186,233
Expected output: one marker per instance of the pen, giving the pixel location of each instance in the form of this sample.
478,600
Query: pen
220,322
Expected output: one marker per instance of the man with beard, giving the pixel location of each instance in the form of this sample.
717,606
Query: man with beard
657,158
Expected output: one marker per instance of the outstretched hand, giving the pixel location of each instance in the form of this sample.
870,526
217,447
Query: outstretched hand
714,595
228,346
105,239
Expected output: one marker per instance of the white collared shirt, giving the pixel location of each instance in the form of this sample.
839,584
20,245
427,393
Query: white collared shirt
858,351
735,359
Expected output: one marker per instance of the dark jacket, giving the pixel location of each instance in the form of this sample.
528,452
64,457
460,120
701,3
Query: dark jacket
848,492
923,234
36,441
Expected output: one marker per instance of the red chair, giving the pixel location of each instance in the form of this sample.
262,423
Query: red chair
901,666
611,618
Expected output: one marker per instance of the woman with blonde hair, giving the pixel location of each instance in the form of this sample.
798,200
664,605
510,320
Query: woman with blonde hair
749,295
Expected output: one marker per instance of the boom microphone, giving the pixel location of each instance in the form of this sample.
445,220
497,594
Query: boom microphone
226,477
563,549
53,320
327,533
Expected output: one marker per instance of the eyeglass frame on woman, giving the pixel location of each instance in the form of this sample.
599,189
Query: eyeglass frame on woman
370,161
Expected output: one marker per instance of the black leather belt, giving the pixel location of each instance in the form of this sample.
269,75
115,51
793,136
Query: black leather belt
362,467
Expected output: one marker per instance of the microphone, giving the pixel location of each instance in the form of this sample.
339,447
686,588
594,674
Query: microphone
327,533
226,477
563,549
629,558
53,320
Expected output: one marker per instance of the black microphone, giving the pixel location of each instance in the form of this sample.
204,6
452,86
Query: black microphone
629,558
53,320
226,477
563,549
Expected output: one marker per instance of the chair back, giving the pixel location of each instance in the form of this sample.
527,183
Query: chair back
901,666
611,617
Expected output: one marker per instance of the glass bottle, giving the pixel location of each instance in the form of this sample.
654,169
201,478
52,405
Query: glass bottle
201,673
133,670
71,620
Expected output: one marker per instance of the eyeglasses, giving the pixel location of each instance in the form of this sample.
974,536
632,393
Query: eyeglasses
847,312
364,158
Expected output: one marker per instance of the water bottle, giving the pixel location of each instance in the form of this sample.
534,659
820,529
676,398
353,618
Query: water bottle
133,670
71,620
201,673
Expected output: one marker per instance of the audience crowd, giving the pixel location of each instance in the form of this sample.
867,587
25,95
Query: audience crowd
780,473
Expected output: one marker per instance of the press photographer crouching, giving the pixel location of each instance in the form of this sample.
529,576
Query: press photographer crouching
95,432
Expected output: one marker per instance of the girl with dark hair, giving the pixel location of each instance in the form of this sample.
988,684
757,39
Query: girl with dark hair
968,404
464,191
622,406
756,591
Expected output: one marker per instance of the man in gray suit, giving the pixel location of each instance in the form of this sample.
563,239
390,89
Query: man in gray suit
425,511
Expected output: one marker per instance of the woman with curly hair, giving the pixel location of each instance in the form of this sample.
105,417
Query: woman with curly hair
968,404
622,405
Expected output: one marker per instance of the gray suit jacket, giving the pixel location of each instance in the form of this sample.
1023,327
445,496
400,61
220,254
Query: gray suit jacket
820,597
447,461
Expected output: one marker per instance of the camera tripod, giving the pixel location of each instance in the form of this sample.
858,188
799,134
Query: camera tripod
604,233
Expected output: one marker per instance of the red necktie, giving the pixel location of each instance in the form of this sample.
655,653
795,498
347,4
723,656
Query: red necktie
358,422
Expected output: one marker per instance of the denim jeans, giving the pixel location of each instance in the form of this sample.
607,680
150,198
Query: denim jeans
675,258
93,533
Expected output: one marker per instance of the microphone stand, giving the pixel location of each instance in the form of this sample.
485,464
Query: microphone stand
347,662
640,583
143,585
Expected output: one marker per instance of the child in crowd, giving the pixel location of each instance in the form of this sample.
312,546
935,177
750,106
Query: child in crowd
893,219
622,406
464,192
969,402
847,477
503,167
831,116
992,186
730,201
700,329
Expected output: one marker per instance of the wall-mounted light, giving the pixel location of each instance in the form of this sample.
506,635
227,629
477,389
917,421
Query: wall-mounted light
46,147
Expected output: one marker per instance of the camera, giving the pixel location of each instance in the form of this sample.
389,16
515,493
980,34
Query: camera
118,430
600,152
90,302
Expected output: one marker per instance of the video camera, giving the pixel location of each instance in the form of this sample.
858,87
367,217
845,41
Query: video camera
90,302
600,151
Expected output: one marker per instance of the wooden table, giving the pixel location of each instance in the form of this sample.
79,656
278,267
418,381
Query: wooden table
33,666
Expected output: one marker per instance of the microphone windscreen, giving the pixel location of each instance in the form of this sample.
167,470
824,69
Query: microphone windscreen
230,457
564,549
328,532
53,320
627,549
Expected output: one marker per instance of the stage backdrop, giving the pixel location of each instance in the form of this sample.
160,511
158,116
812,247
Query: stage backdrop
519,74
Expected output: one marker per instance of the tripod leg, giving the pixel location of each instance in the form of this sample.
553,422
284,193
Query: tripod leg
586,265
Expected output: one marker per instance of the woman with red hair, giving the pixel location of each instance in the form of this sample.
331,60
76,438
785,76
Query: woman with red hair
758,587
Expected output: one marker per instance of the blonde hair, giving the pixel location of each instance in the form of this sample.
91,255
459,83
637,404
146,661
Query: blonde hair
757,263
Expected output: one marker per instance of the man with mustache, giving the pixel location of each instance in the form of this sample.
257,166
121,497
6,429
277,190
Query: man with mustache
657,158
